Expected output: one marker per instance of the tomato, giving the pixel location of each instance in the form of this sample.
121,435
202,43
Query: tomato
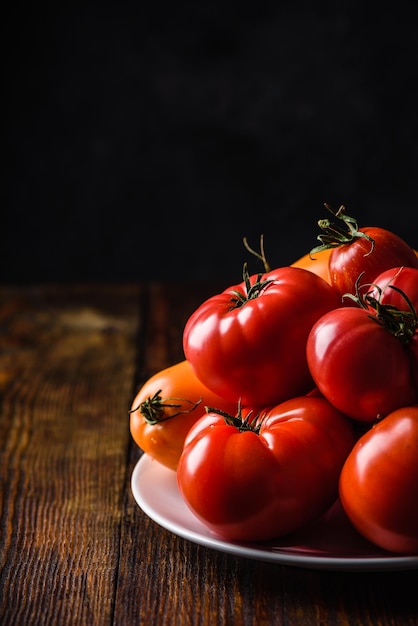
368,251
248,342
363,363
385,287
379,483
385,290
317,263
165,408
258,476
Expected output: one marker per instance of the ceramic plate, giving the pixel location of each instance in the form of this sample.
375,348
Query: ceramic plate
330,543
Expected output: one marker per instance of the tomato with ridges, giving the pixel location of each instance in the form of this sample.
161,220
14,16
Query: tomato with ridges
248,343
260,475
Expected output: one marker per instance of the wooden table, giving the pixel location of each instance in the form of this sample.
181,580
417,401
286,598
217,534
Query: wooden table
75,548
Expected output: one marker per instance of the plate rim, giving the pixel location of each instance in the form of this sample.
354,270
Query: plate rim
240,549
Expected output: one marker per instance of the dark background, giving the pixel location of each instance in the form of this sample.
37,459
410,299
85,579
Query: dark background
145,141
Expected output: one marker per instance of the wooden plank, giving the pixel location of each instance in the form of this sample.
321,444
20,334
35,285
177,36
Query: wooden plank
74,546
67,362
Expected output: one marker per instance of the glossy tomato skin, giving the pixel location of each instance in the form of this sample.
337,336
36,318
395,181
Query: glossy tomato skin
256,352
361,368
250,487
379,483
348,261
183,401
403,278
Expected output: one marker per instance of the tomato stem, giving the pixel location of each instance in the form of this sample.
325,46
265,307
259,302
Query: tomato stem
335,235
252,291
249,423
401,324
153,408
260,255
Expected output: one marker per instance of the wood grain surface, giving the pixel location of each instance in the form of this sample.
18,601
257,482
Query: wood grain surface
75,549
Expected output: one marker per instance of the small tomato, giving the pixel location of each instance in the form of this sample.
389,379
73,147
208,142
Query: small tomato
359,252
363,363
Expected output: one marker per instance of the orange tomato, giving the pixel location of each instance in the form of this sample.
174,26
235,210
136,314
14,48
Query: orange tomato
165,408
318,264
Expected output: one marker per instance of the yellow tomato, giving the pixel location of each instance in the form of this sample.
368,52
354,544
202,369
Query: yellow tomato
166,407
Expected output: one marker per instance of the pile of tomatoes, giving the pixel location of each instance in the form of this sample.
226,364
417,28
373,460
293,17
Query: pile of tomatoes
299,387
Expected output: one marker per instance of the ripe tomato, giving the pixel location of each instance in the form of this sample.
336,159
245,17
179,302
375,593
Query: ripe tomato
385,287
363,364
368,251
165,408
263,475
317,263
385,291
248,343
379,483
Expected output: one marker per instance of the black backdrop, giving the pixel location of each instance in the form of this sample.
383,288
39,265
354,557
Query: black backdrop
144,140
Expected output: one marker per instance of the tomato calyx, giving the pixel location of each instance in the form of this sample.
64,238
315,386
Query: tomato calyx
251,292
335,235
153,408
250,422
401,324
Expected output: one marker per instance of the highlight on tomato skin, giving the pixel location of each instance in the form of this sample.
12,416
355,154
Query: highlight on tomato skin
379,483
356,251
397,287
165,408
346,251
248,343
264,474
362,369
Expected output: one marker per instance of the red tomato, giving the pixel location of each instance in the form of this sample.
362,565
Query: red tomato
385,291
264,475
248,343
355,251
403,278
379,483
318,263
165,408
361,367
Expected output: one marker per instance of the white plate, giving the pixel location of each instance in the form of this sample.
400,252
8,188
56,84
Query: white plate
331,543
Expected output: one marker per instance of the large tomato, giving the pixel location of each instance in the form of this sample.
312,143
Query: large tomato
365,362
248,343
379,483
355,251
259,476
165,408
